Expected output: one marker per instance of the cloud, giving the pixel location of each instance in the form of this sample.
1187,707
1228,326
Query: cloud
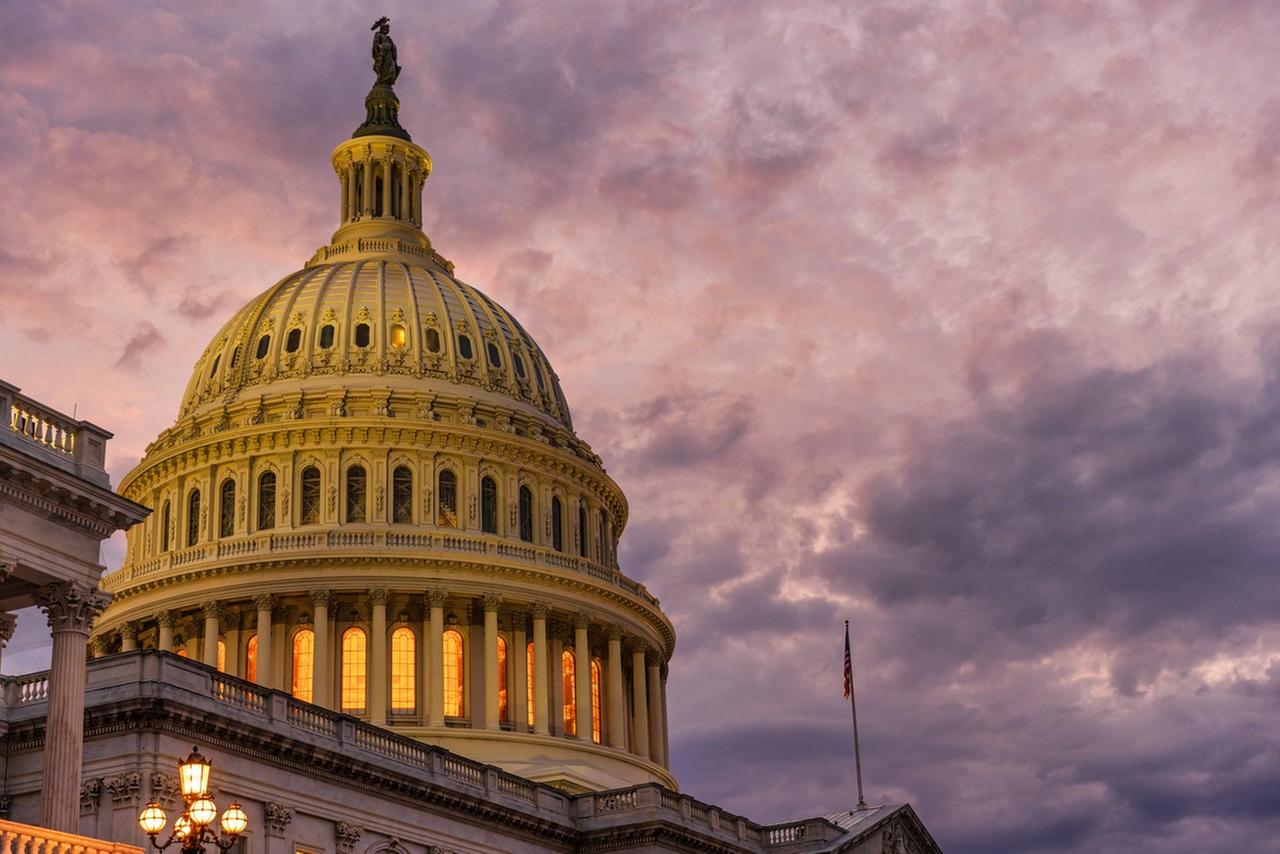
142,342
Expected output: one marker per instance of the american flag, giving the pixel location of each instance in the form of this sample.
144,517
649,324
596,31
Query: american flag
848,663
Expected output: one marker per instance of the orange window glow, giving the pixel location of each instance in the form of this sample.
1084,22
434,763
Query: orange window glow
304,649
453,706
251,659
354,649
567,683
404,683
181,650
222,657
502,679
532,676
595,700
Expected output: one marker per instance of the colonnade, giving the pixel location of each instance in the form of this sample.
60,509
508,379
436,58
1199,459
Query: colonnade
629,679
401,179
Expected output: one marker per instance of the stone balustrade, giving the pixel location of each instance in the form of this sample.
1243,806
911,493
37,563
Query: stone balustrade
18,838
79,447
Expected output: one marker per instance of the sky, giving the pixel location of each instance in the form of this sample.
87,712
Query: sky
956,320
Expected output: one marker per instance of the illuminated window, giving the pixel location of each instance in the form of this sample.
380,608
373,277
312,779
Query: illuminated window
304,648
402,495
453,706
354,653
362,335
263,343
356,481
222,657
489,505
528,652
595,700
567,686
251,659
494,358
404,682
399,339
557,524
526,514
464,346
227,508
448,499
326,336
193,517
582,529
310,505
164,527
502,678
433,340
294,341
267,501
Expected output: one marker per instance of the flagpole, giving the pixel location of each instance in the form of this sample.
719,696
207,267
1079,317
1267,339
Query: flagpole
853,708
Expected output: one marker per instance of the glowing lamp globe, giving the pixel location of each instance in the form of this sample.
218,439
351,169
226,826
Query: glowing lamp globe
202,811
182,827
194,775
234,821
152,819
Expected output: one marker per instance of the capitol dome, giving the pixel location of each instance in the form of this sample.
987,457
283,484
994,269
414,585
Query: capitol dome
373,504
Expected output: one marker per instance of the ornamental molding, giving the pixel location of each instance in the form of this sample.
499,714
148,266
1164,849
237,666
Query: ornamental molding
378,596
321,598
264,602
346,836
278,817
90,796
124,789
165,789
71,606
490,602
8,622
36,498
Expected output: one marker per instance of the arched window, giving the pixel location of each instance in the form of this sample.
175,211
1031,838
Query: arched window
293,341
227,508
326,336
567,684
362,335
309,506
267,501
448,498
356,481
354,663
533,675
235,356
537,375
557,524
488,505
453,705
402,495
433,340
404,682
263,343
304,650
495,359
193,517
164,527
526,514
596,679
502,679
519,363
464,347
399,340
222,656
251,659
582,529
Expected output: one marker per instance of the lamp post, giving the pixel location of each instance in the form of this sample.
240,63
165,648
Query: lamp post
194,828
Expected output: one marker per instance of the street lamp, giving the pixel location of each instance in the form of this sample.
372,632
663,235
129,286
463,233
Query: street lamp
194,827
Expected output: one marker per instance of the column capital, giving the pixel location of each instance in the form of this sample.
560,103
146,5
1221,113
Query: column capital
129,630
212,608
519,619
165,618
613,632
378,596
99,646
638,646
434,598
8,622
581,620
539,610
265,601
321,598
490,602
71,606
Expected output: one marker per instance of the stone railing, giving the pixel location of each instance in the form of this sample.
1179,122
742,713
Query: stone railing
18,838
78,446
405,539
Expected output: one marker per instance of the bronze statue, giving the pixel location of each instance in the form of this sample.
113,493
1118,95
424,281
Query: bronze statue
384,52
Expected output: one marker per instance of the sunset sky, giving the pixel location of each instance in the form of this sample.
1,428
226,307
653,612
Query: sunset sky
958,320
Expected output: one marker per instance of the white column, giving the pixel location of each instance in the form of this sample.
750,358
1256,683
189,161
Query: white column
666,742
164,638
378,684
639,702
582,675
128,637
386,186
425,667
435,717
418,181
366,203
71,609
655,710
614,707
322,660
490,605
404,192
212,617
541,712
265,603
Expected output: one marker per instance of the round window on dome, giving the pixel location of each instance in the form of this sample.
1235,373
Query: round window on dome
464,347
399,340
495,358
326,336
263,343
433,340
294,341
362,335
